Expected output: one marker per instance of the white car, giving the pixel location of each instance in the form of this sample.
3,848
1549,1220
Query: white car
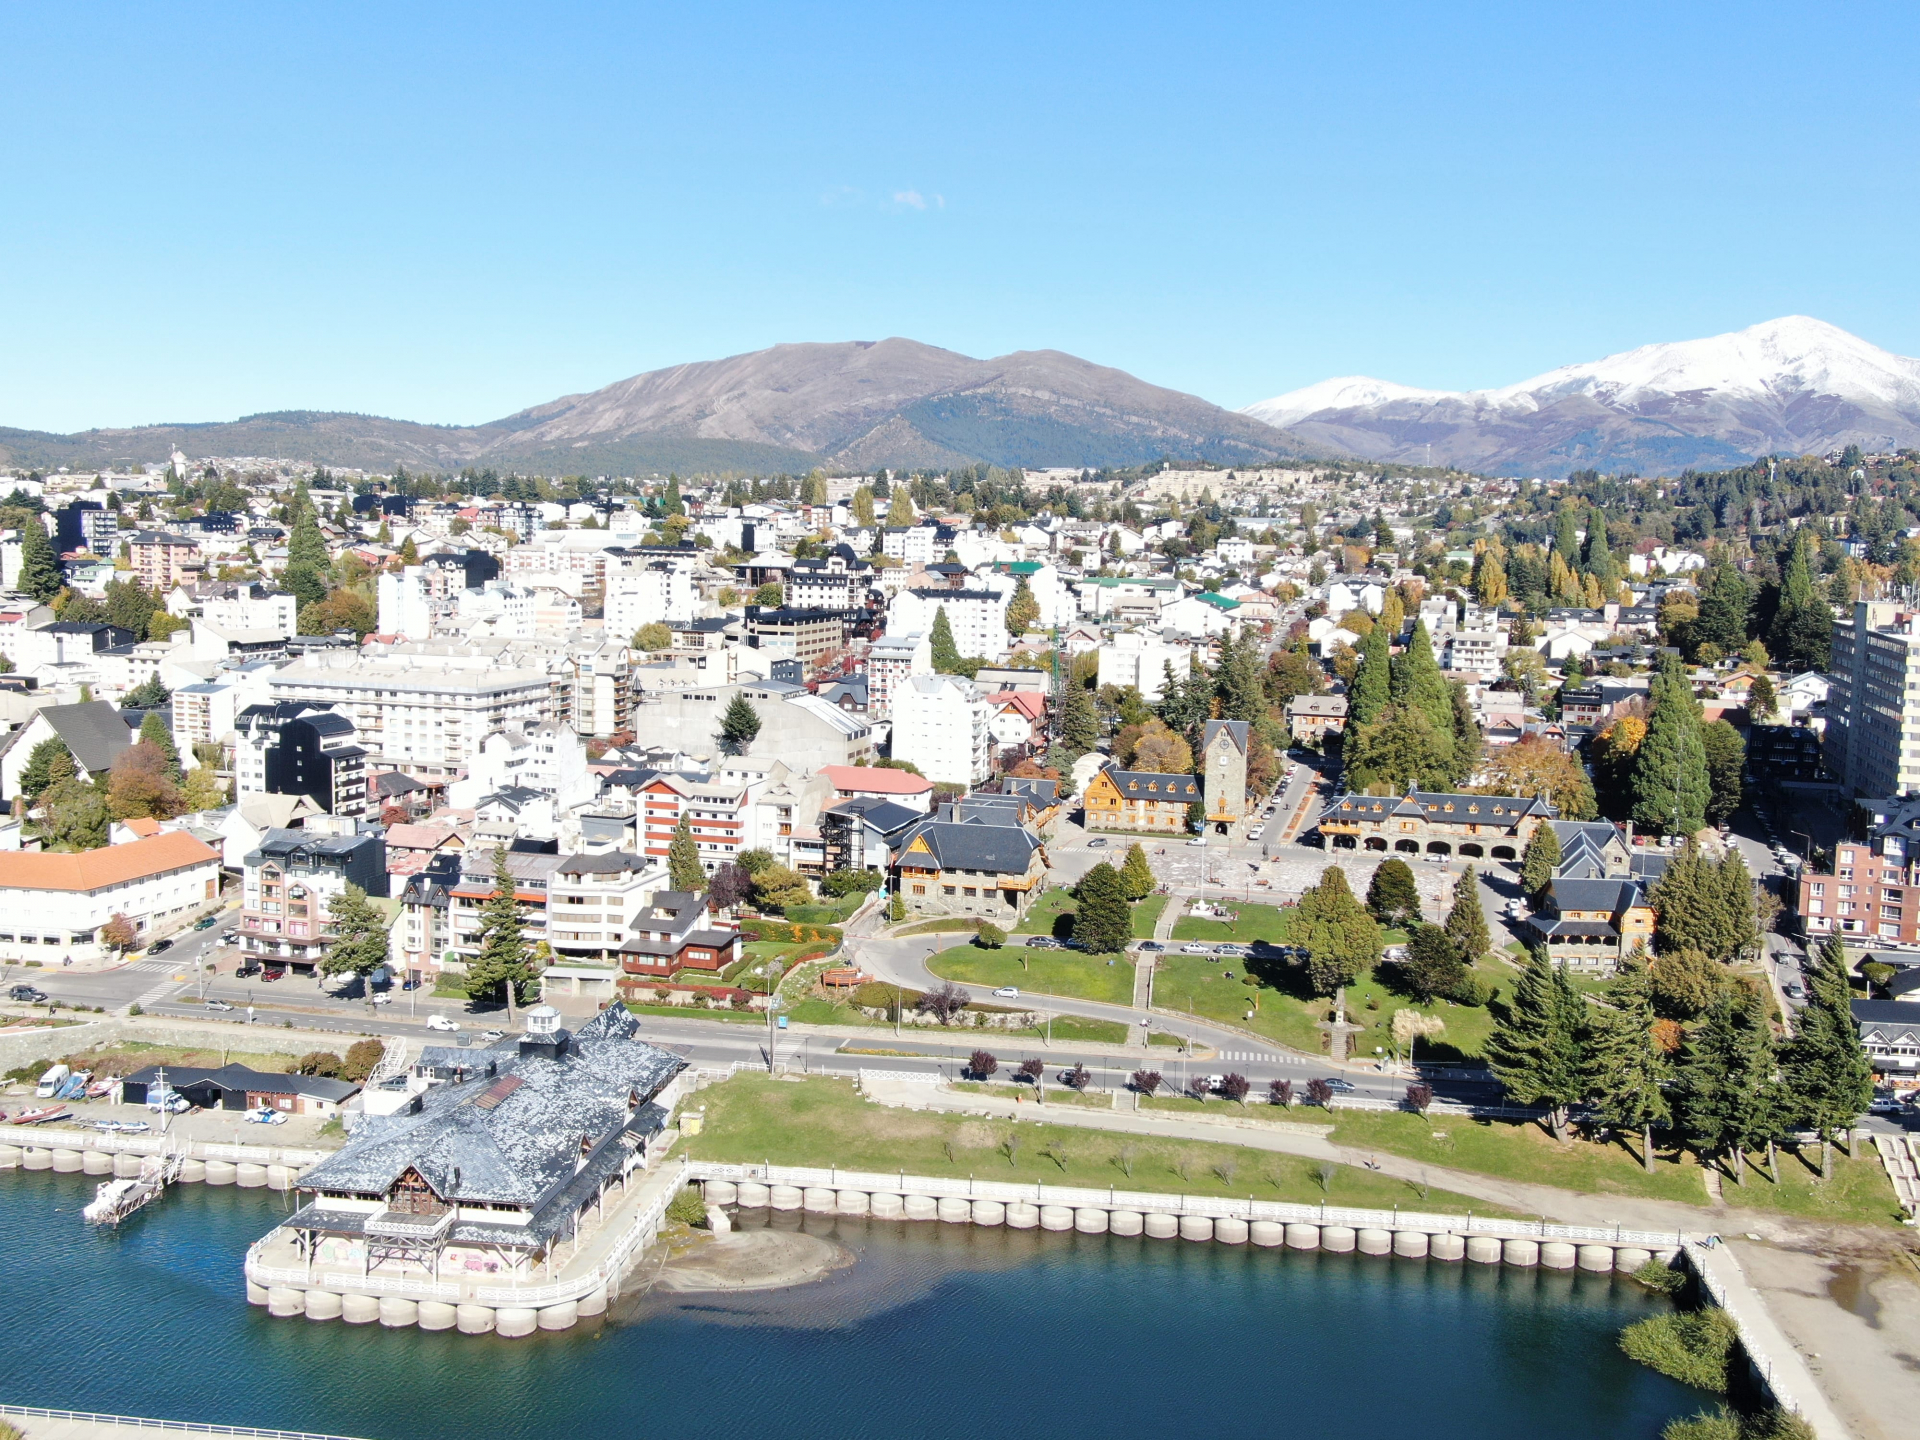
1196,949
441,1022
218,1005
1008,992
1256,832
1199,840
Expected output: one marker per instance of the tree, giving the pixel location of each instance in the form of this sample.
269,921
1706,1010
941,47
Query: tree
1466,923
1103,922
1320,1093
1686,982
1535,1048
1540,860
1371,690
1827,1070
40,572
684,871
307,560
503,961
739,725
1489,579
119,934
770,596
653,637
945,654
1235,1086
899,508
139,787
1801,637
1625,1066
1705,905
1726,757
990,937
47,763
1145,1081
1725,1071
359,944
154,732
1392,896
1079,720
75,816
1419,1097
983,1063
1669,781
1341,939
943,1002
729,886
863,507
1023,611
337,611
202,790
1160,751
1762,701
1536,766
1280,1092
1726,602
1136,875
1399,749
777,886
149,694
1433,965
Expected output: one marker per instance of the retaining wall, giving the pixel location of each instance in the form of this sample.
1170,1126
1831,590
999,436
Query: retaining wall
32,1047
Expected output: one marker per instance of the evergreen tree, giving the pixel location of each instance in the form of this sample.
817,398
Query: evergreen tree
1802,634
1726,1070
1371,691
1103,922
1726,758
1535,1049
1598,561
1566,540
1828,1075
1541,859
48,763
1239,680
739,725
1726,603
1705,905
946,654
1136,874
359,943
1079,721
1625,1067
1023,611
684,871
1392,897
1433,965
671,503
153,730
1424,689
1669,779
40,572
1466,923
503,961
1341,939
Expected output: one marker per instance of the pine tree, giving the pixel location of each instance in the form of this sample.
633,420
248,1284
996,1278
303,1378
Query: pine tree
1726,758
48,763
1341,939
503,960
1598,561
946,654
684,871
1466,923
1802,634
1566,539
1433,965
1425,689
1240,681
40,572
153,731
1535,1050
1828,1074
1541,859
1625,1067
671,503
1669,780
1371,691
1136,874
1725,1072
1726,603
739,725
1079,721
1102,922
1392,896
359,944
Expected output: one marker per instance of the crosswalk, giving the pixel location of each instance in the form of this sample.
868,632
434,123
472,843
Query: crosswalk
1262,1056
153,967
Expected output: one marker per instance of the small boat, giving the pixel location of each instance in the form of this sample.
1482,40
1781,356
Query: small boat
75,1086
100,1089
114,1200
34,1115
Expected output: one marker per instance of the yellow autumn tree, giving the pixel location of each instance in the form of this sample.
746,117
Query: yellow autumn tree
1562,583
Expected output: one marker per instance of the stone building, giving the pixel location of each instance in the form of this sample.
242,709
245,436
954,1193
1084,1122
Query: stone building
1223,766
1474,826
976,857
1141,801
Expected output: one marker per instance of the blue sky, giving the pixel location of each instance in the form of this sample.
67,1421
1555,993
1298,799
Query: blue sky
446,213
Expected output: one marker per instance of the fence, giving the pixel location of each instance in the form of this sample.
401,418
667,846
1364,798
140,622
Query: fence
1211,1206
135,1422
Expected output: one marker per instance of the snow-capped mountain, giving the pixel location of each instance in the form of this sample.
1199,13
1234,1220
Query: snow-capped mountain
1793,385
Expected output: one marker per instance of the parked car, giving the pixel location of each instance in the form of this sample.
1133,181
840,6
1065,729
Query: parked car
218,1005
271,974
1008,992
1339,1086
1152,945
1042,942
206,922
441,1022
1196,949
1256,832
158,946
251,967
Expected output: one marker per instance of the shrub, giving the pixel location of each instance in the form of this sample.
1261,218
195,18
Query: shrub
878,995
1693,1347
1032,1067
688,1208
318,1062
134,1009
1280,1092
944,1003
1199,1087
361,1057
1320,1093
1664,1278
1472,990
990,937
1419,1097
852,882
1146,1081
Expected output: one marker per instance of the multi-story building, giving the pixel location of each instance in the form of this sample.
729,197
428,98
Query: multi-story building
831,583
422,713
674,931
53,907
912,544
1477,651
291,878
890,661
975,857
1474,826
531,873
298,748
642,589
1223,771
1142,659
942,725
1865,894
1314,717
1141,800
978,618
808,636
716,813
1591,925
1873,707
162,561
593,902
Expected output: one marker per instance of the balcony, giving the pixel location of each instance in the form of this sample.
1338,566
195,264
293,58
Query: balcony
414,1229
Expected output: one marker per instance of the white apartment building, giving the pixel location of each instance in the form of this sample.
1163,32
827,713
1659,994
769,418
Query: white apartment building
425,714
942,724
574,560
52,907
593,900
417,600
1477,651
978,618
912,544
643,590
549,758
1873,705
1141,658
890,660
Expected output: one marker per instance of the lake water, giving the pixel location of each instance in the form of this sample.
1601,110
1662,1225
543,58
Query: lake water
939,1331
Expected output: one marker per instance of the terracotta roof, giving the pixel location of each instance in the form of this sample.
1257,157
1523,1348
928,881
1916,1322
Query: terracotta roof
145,826
876,780
97,869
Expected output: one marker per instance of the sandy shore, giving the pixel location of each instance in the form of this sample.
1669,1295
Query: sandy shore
752,1260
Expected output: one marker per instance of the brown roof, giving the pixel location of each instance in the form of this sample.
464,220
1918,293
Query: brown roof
97,869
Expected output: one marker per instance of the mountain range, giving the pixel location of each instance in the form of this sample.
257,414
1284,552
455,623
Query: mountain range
851,405
1788,386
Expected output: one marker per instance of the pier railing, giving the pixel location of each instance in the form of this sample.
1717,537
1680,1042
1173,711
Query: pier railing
1212,1206
136,1422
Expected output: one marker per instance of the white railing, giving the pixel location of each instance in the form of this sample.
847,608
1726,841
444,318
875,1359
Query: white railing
161,1145
136,1422
911,1077
1212,1206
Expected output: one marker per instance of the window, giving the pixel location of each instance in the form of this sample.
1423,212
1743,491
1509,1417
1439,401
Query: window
946,889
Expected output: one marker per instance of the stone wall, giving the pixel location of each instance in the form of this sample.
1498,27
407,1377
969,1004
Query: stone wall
34,1046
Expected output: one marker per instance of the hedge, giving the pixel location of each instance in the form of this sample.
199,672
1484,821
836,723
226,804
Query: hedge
787,930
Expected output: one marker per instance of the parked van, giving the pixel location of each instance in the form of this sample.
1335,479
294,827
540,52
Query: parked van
52,1081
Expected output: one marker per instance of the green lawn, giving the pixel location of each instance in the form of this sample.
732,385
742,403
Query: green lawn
751,1119
1254,922
1056,1094
1859,1190
694,1012
1048,912
1040,972
1257,1107
1090,1032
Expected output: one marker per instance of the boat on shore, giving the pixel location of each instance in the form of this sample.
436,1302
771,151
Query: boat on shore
37,1116
114,1200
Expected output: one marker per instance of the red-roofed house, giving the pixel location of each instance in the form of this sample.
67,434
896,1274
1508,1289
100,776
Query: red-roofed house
52,906
903,787
1019,717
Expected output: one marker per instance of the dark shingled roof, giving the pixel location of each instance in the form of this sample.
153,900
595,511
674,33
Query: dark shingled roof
1610,895
93,731
1148,785
974,837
